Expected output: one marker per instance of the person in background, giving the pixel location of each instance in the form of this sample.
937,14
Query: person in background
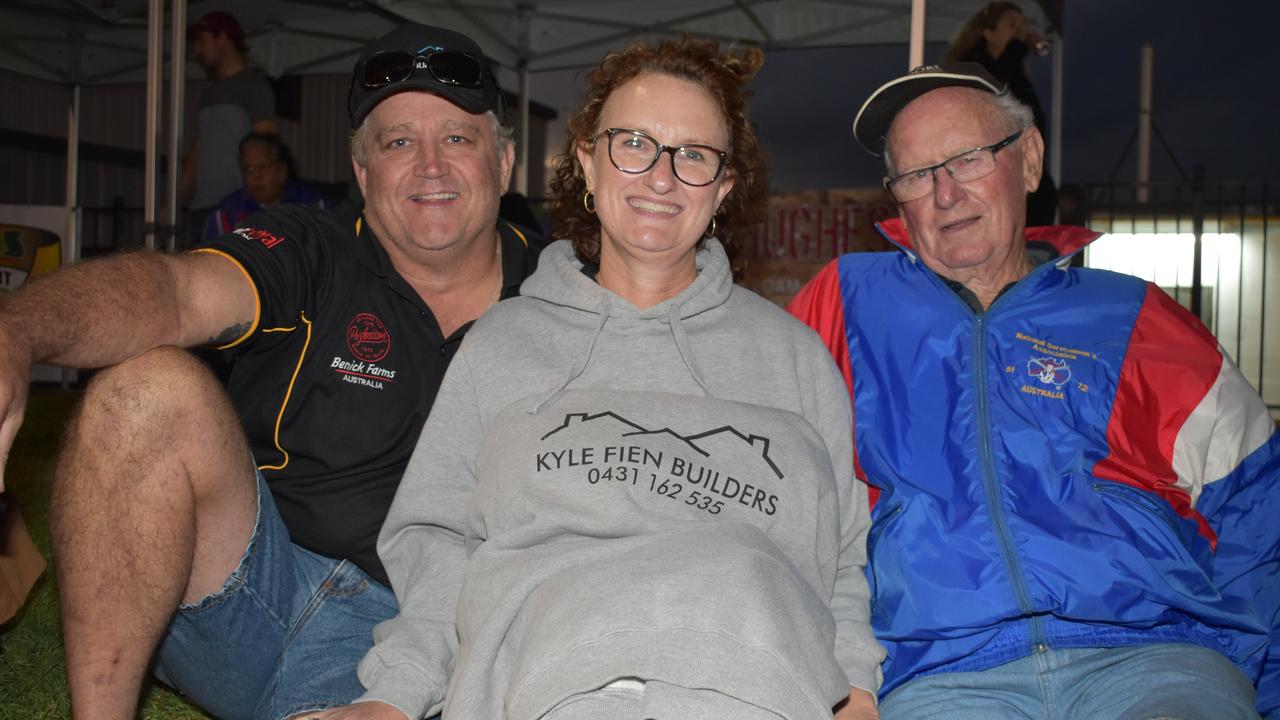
999,38
634,497
238,101
224,538
1077,490
267,170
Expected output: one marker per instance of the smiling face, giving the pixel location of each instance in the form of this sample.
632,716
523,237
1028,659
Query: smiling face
432,176
972,230
652,219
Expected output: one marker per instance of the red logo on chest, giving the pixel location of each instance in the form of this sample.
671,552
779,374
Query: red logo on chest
367,337
267,239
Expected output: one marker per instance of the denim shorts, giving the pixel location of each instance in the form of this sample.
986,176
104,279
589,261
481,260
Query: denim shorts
284,634
1145,682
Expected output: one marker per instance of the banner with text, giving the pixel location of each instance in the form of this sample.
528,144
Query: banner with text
806,230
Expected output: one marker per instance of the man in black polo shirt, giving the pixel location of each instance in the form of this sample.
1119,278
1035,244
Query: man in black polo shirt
342,327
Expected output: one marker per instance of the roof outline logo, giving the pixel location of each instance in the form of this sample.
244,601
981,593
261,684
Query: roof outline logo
758,442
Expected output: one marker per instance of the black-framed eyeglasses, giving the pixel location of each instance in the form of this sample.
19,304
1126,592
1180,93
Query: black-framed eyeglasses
451,67
967,166
634,152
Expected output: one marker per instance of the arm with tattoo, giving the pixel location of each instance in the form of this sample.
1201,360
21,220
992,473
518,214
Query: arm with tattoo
101,312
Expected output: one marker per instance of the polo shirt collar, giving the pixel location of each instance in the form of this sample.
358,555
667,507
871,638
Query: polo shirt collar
515,254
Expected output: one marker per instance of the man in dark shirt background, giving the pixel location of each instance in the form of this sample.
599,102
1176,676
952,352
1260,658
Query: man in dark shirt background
239,101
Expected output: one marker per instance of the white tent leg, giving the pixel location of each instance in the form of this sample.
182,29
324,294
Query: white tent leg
915,57
1055,115
522,171
155,51
71,242
1144,122
522,143
177,85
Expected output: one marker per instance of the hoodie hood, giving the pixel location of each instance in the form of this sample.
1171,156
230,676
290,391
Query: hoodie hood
559,280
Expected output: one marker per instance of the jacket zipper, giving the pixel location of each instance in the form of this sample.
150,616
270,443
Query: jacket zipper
1012,566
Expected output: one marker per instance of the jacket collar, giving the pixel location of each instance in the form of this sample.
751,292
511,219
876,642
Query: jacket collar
1066,239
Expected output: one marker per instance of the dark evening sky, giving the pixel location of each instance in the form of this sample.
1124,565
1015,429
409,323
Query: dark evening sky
1216,94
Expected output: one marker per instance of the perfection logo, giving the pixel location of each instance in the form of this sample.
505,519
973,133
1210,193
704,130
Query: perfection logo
367,337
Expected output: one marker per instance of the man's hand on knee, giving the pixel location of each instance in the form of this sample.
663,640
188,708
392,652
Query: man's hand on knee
356,711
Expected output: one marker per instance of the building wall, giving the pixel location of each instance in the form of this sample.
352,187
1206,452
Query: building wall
113,119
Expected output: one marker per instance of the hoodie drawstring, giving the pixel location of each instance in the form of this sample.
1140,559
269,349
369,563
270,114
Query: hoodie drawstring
682,344
579,366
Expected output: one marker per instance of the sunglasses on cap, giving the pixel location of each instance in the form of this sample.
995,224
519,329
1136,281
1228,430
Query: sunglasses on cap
450,67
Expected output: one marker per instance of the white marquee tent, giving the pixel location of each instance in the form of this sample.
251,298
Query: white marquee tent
88,42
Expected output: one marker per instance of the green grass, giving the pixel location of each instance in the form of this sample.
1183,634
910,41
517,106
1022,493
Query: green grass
33,682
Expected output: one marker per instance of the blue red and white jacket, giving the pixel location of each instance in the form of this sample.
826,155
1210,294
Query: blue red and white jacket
1080,466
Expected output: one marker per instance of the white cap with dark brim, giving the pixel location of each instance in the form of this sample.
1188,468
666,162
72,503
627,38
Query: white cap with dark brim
872,122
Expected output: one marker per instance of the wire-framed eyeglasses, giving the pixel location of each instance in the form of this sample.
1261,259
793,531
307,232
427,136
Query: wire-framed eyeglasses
634,152
967,166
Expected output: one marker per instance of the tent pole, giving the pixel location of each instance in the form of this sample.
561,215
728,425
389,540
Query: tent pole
1144,122
522,173
71,246
155,50
522,144
177,85
1055,117
916,55
71,241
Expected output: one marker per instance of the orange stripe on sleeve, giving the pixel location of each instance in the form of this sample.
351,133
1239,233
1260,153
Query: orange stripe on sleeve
257,300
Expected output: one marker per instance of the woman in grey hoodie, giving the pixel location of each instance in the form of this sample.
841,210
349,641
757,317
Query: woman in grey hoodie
635,497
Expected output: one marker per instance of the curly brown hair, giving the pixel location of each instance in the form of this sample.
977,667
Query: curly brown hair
724,74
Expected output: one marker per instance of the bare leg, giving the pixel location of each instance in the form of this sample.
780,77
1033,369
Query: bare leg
154,503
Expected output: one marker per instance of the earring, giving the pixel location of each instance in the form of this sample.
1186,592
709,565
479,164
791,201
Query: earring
588,201
711,229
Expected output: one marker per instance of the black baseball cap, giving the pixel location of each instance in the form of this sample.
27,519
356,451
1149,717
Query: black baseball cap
872,122
422,57
218,22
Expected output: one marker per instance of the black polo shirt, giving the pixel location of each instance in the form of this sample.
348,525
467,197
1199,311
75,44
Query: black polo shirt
338,373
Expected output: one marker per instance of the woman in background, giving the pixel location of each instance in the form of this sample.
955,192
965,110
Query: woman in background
1000,39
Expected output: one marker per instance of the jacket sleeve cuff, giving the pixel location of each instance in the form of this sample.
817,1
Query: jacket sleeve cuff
861,667
407,692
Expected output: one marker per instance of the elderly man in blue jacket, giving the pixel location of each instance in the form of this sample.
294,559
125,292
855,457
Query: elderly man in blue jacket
1076,494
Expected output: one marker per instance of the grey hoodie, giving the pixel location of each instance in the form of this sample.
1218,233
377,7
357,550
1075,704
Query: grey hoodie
606,492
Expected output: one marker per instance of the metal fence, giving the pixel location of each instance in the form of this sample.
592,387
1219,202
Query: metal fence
1215,247
106,229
